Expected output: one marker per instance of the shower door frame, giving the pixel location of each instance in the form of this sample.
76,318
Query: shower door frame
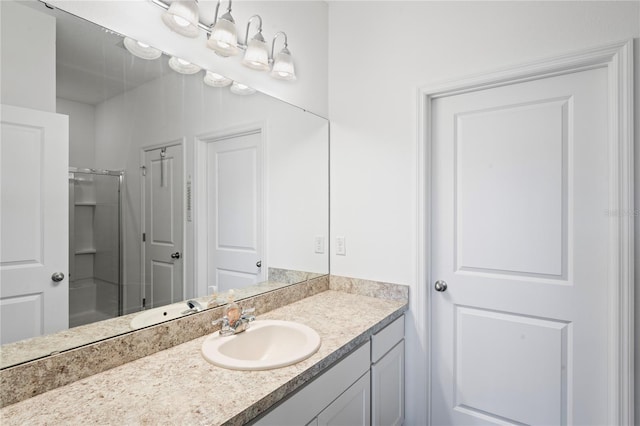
120,175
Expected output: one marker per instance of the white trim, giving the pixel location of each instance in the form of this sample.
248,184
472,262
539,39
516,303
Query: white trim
200,230
617,58
421,296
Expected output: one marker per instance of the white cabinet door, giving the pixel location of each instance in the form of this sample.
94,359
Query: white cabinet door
521,235
303,407
34,157
387,377
352,408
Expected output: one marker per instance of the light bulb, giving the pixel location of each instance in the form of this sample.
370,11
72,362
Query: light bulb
216,80
257,54
224,37
141,50
182,17
182,66
283,67
180,21
242,89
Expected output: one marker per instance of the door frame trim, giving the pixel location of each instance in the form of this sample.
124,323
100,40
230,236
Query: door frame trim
181,142
199,191
617,58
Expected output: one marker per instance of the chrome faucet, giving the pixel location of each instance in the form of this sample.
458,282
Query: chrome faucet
194,306
230,328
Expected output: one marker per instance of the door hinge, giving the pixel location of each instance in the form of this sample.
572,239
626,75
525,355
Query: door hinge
144,170
144,237
144,302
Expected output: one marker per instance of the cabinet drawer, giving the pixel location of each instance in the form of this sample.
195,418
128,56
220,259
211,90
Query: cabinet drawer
387,338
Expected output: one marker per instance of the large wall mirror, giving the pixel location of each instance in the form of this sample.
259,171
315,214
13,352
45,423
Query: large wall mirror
175,190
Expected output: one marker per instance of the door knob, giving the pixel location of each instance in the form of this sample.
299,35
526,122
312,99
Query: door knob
175,255
441,286
57,277
259,263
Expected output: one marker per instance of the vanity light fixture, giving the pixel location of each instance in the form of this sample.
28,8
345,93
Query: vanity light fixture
224,36
241,89
283,68
141,50
182,66
182,17
257,54
216,80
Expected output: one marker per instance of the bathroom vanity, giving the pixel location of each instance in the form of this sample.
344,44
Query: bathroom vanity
365,387
358,371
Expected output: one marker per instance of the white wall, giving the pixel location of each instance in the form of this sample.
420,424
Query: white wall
305,23
28,57
379,54
175,107
82,132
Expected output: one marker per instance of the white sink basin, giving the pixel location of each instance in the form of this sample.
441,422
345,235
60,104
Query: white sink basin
158,315
265,345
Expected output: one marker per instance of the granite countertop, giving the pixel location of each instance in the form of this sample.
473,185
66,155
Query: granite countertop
178,386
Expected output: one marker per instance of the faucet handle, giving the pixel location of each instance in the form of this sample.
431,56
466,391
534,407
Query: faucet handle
224,321
244,316
226,329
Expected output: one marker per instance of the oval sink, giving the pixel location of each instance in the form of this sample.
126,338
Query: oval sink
158,315
265,345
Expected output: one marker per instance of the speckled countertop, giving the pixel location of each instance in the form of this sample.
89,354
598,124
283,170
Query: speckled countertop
177,385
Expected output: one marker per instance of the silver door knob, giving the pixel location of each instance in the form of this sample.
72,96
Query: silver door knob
57,277
441,286
175,255
259,263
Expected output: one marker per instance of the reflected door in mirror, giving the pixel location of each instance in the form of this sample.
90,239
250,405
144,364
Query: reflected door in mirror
34,256
163,225
234,190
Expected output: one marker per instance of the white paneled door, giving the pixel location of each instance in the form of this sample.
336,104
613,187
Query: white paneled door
163,225
234,210
520,243
34,284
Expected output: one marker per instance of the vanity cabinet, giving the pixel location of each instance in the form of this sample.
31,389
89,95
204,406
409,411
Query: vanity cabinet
387,385
387,375
364,388
305,406
353,407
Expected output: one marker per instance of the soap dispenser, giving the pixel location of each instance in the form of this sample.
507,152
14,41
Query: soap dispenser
213,302
231,310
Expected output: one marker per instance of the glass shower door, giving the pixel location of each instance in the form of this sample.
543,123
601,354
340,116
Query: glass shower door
95,291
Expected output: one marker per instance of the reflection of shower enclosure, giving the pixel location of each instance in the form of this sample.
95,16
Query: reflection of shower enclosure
95,245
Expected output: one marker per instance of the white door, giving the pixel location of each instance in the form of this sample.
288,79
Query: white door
520,236
34,157
234,197
163,225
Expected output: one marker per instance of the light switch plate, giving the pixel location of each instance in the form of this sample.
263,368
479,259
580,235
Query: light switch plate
341,248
